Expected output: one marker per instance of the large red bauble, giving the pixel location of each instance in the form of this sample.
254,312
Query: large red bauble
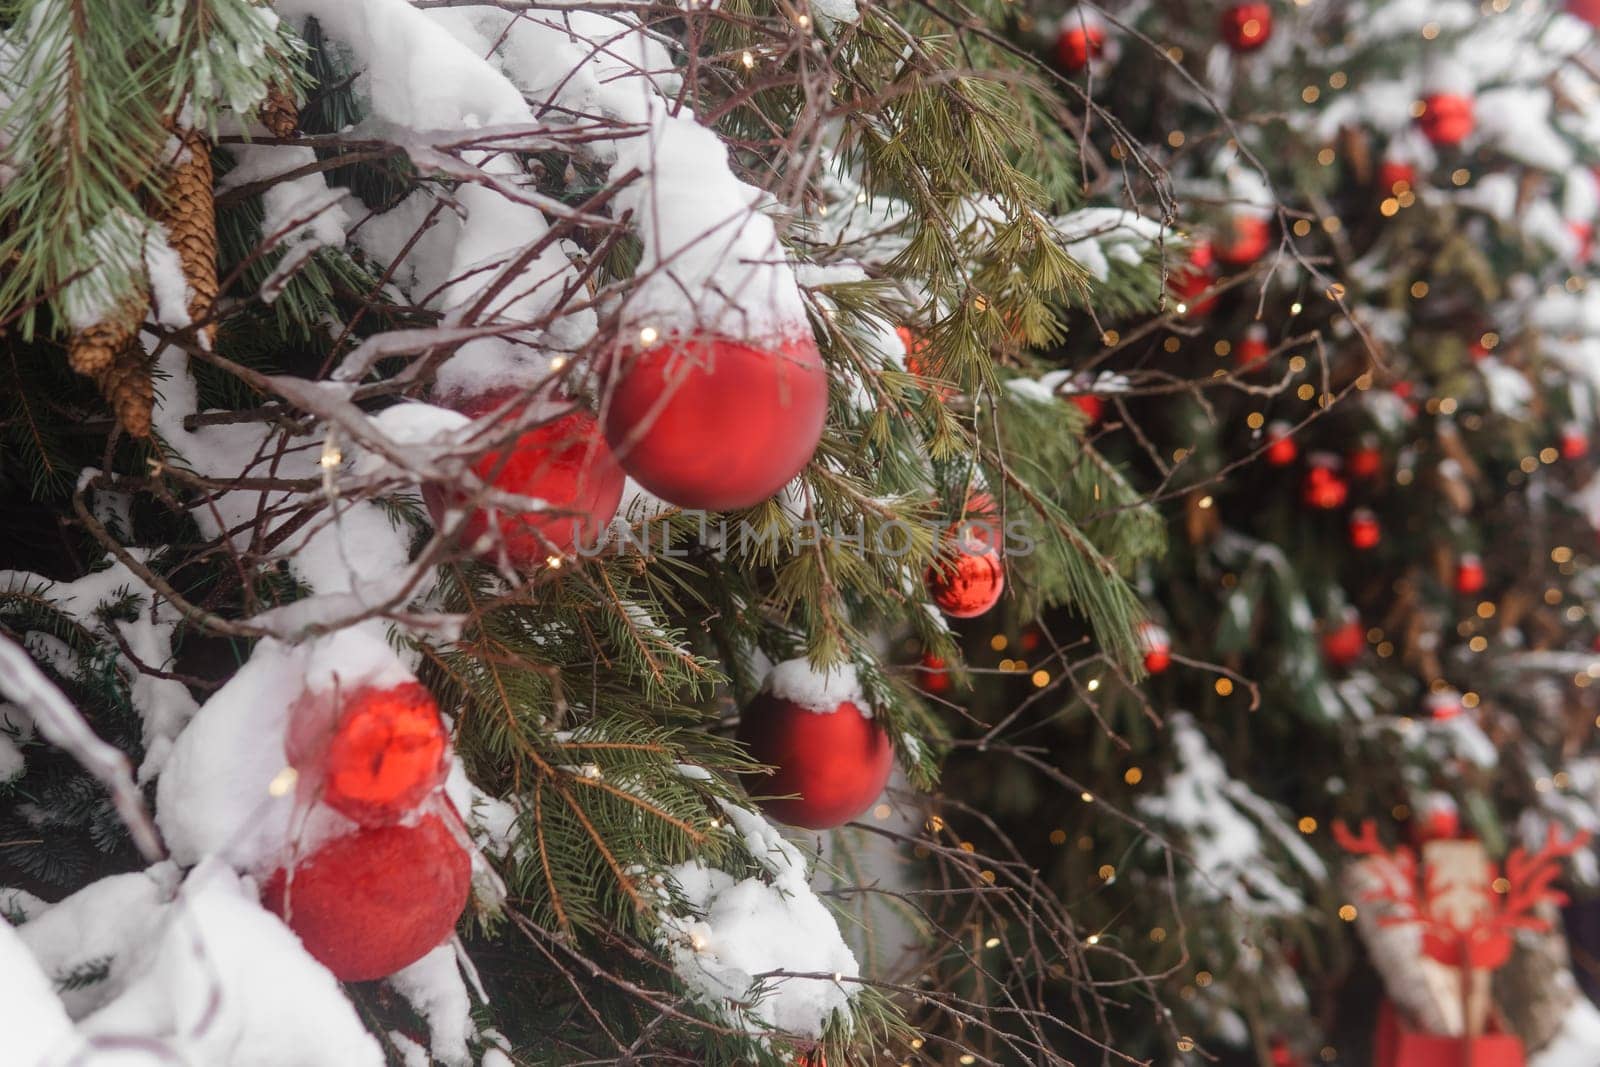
1245,238
1343,643
1189,281
712,422
564,462
1469,575
377,900
1395,177
377,755
969,581
1446,118
1587,10
1247,27
836,762
1077,44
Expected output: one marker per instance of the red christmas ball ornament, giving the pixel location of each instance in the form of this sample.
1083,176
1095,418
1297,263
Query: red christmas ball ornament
1251,352
969,581
1090,404
1469,575
1447,118
1189,281
377,755
1343,642
717,423
1281,449
1443,705
832,759
1438,818
1587,10
1080,42
372,902
933,675
1247,27
917,363
1157,646
563,462
1396,176
980,522
1365,460
1364,531
1325,488
1574,442
1582,238
1245,238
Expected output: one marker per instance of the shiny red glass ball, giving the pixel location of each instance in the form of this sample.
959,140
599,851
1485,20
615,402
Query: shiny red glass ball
384,754
835,762
969,582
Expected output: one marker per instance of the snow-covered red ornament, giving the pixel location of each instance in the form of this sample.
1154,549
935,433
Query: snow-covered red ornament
1437,818
1090,404
1574,441
831,757
1081,41
1469,574
1156,644
1447,118
1587,10
1251,352
374,901
715,422
1364,530
1443,705
1343,642
1244,238
1325,487
375,753
1281,449
1396,176
564,462
1365,460
1247,26
1189,281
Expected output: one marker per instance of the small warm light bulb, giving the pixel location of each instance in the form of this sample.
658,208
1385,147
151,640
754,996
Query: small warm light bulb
282,783
648,335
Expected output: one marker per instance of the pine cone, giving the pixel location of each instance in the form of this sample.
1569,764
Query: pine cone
130,389
189,214
91,351
279,113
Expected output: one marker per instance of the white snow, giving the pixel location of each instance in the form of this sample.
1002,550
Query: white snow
434,988
819,691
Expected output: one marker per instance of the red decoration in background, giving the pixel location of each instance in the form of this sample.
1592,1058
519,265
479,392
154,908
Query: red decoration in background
1281,449
381,755
1587,10
1438,818
933,675
1583,235
1090,404
1447,118
1574,442
1325,488
917,364
1485,942
1365,460
1251,352
1396,1044
1469,575
968,582
1157,646
1078,43
1364,532
714,422
1443,705
1283,1056
372,902
1247,27
564,462
1188,281
1343,643
1396,176
1245,238
837,762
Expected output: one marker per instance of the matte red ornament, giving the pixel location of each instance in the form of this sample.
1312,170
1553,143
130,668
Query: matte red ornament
1469,575
1245,238
1364,531
1574,442
1157,646
1078,44
1365,460
372,902
1281,449
1395,177
377,755
1090,404
1447,118
1343,643
934,675
1247,27
1251,352
1587,10
836,762
1325,488
564,462
717,423
969,581
1190,280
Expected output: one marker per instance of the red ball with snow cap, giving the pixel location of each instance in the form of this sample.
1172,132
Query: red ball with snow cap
831,758
1081,41
1251,352
1447,118
1247,26
715,422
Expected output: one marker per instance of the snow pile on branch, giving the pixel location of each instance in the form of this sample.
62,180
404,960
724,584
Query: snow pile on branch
823,691
739,930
